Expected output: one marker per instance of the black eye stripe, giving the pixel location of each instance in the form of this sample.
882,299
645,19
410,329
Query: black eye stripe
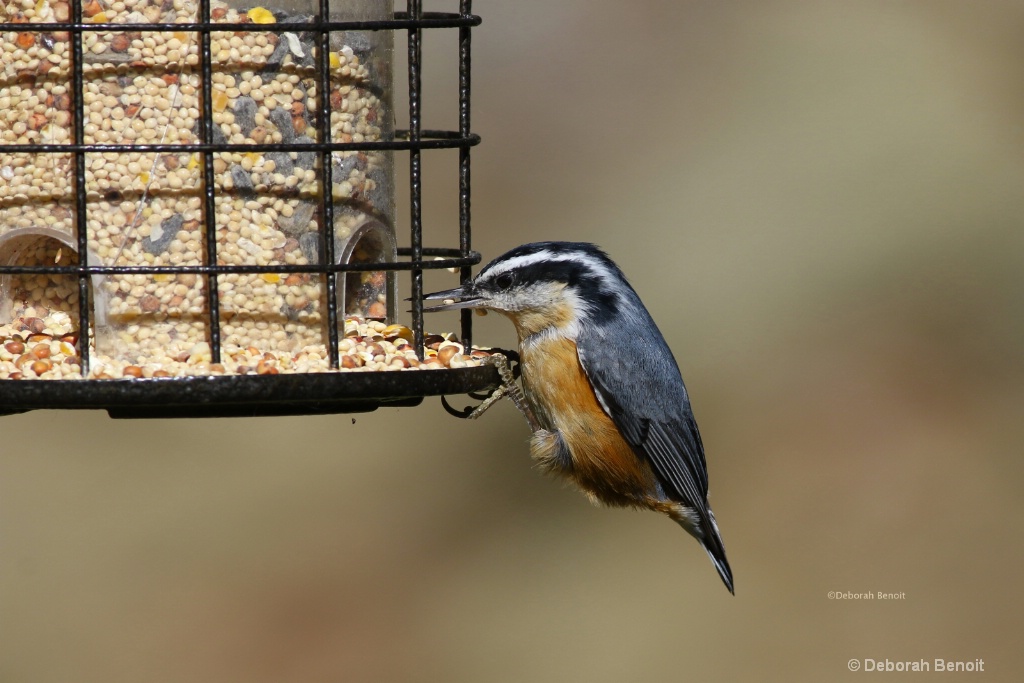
593,286
574,274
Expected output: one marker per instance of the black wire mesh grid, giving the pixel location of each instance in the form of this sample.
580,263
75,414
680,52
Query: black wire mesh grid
283,394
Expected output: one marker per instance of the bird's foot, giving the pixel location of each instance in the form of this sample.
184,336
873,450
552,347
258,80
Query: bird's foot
510,388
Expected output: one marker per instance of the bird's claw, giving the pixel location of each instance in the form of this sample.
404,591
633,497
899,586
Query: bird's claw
508,387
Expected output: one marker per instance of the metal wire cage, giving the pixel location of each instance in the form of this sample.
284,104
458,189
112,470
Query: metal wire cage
246,394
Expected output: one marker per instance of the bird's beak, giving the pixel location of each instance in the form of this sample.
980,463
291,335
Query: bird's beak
455,299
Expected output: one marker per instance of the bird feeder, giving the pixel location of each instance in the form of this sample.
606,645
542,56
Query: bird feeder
197,208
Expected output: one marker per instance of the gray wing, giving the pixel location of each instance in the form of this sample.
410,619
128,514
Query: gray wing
643,393
637,383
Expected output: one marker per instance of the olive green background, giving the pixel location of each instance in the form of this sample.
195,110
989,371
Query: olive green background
821,204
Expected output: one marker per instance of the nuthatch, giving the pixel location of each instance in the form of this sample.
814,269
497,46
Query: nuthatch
603,394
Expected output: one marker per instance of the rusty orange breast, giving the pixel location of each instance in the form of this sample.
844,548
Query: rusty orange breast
604,464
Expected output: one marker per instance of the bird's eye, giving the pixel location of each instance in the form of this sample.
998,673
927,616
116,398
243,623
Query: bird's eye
504,281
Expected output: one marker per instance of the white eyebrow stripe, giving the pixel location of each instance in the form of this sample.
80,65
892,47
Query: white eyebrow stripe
520,261
544,255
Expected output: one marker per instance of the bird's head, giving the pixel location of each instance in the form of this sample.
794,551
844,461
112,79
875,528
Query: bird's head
543,285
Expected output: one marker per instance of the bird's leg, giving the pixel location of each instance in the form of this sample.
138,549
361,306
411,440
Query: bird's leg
495,396
509,388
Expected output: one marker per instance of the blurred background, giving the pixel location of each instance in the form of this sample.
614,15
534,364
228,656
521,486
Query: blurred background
821,204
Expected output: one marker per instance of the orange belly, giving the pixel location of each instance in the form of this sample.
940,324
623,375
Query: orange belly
602,463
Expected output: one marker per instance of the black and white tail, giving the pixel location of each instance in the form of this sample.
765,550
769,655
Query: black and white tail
712,543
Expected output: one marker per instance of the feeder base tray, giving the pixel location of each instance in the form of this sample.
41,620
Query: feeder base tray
244,395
